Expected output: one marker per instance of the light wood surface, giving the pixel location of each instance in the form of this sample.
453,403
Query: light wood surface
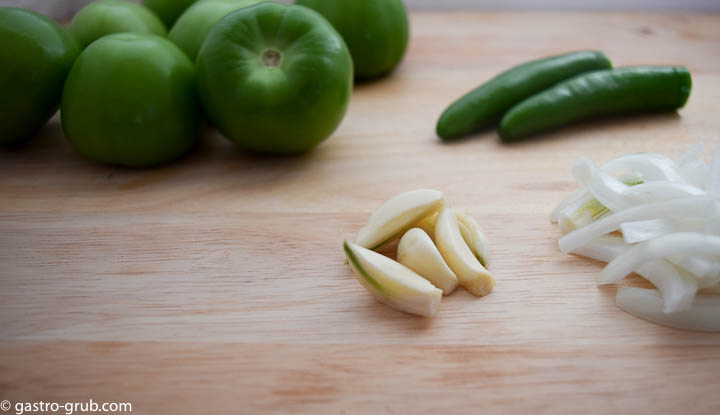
216,284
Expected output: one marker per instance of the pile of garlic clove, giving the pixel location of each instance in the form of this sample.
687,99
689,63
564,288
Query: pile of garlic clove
439,249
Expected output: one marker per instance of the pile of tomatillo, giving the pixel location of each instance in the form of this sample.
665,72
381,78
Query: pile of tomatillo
136,82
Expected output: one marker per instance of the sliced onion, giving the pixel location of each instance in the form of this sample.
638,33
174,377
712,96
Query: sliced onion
675,244
605,248
581,213
706,270
571,198
581,208
643,230
650,166
678,288
694,153
618,196
714,182
605,188
691,207
657,191
704,315
696,173
713,226
668,213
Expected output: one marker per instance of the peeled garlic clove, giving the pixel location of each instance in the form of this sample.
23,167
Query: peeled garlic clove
474,237
392,283
398,214
469,271
418,252
471,232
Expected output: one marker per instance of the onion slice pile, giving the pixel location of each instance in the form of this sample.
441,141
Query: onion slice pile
659,218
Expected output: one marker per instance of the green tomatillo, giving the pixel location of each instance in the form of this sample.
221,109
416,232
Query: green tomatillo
131,99
193,26
168,10
275,78
376,31
36,55
105,17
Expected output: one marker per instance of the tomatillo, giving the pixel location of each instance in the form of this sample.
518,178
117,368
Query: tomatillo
105,17
36,55
193,26
131,99
376,31
275,78
168,10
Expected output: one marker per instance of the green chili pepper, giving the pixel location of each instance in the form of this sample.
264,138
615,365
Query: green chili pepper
485,106
618,91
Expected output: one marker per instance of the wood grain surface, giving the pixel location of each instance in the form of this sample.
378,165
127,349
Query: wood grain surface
216,285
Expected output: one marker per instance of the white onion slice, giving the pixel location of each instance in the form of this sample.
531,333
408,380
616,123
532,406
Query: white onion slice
649,192
581,208
694,153
706,270
605,188
580,213
691,207
643,230
696,173
571,198
678,289
674,244
605,248
704,315
650,166
714,182
618,196
713,226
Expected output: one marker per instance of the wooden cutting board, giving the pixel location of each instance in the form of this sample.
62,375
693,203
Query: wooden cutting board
216,284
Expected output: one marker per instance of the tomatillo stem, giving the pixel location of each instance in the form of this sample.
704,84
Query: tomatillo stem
271,58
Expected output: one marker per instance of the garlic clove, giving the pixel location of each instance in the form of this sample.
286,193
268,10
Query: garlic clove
474,237
392,283
469,271
398,214
418,252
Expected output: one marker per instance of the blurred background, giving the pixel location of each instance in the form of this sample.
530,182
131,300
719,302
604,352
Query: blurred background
64,9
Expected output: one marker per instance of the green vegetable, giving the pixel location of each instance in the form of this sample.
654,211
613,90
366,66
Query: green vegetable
36,55
193,26
618,91
105,17
485,106
131,99
375,31
275,78
168,10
